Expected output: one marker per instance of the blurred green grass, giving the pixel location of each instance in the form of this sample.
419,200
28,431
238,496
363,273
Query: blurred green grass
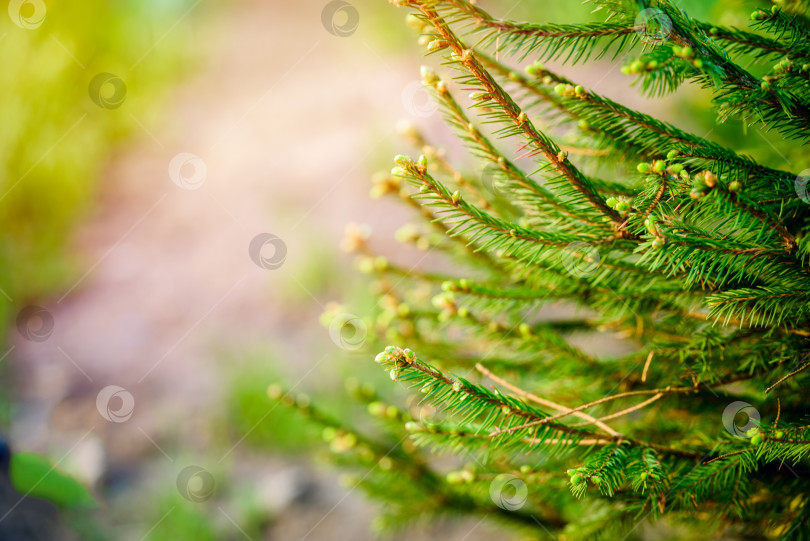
56,140
252,415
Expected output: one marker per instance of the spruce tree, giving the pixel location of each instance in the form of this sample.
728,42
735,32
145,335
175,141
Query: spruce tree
692,252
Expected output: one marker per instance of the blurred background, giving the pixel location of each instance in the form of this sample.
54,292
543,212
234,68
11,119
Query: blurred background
176,179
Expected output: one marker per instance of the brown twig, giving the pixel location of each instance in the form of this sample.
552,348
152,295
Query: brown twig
727,455
627,410
802,367
545,402
647,366
665,391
